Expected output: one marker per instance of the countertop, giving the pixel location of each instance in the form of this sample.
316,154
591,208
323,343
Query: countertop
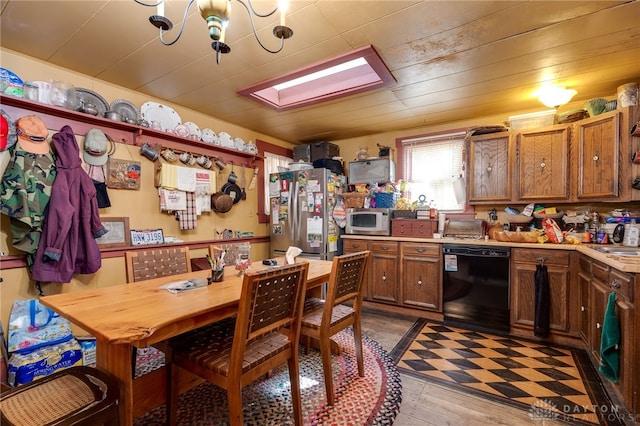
632,265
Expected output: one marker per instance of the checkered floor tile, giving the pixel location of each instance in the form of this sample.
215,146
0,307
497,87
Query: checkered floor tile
545,380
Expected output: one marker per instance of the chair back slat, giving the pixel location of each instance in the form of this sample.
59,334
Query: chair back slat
275,299
162,262
347,277
270,301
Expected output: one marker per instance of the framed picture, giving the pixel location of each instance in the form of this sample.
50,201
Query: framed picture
118,235
123,174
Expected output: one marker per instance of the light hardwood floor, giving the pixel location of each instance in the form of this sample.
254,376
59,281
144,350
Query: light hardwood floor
426,404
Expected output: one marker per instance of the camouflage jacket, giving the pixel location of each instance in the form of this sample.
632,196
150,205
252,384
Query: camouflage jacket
24,195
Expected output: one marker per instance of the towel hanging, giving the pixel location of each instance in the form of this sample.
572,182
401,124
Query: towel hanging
610,341
542,301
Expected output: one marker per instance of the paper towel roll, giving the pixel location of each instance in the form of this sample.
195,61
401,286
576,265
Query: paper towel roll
442,217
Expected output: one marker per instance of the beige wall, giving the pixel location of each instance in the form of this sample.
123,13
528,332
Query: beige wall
141,207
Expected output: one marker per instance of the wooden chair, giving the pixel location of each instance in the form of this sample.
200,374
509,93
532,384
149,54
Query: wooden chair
154,263
74,396
236,351
324,318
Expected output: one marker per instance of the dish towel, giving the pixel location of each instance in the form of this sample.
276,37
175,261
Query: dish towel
543,302
609,342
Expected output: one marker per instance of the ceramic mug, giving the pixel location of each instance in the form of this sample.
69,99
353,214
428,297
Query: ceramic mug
169,155
220,163
204,161
187,158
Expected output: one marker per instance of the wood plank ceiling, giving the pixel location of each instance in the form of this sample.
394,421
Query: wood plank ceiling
452,60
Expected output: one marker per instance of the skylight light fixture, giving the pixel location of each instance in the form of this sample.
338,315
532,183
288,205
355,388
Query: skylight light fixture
321,74
217,14
354,72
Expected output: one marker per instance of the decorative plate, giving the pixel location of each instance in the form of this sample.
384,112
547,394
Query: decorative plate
252,148
225,140
182,131
90,97
126,109
193,129
166,116
208,135
239,144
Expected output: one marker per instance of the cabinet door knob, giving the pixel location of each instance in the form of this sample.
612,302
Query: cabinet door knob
598,325
420,282
542,165
384,248
616,283
421,250
582,308
384,276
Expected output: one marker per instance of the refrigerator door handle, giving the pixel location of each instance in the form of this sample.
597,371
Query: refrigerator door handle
290,212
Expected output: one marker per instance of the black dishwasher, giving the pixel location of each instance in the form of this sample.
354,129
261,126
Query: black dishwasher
475,287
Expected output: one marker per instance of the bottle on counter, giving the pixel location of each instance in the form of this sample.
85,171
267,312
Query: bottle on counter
631,235
433,211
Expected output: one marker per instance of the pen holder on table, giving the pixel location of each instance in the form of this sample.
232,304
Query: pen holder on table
217,275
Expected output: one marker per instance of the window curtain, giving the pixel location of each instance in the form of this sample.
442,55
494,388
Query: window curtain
271,164
432,165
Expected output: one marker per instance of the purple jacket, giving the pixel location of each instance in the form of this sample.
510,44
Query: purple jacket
67,245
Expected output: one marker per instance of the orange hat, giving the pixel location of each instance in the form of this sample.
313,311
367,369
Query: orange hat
32,134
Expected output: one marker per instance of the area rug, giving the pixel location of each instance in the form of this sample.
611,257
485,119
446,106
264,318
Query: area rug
550,382
370,400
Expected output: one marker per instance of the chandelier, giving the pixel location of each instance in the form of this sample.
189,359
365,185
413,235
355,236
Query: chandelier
217,14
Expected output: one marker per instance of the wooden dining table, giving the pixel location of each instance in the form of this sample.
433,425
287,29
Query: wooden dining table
141,314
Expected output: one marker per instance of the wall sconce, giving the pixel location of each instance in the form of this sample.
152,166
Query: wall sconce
555,96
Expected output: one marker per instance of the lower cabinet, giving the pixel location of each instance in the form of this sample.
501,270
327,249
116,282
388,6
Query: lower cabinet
562,309
421,275
402,274
383,281
597,282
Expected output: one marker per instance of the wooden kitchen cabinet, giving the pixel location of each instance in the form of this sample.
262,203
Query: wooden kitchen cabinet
598,155
563,322
490,168
383,283
543,164
599,281
421,275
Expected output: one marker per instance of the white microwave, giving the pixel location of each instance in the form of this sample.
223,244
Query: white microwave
368,221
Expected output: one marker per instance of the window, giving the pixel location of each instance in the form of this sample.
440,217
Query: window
432,165
272,156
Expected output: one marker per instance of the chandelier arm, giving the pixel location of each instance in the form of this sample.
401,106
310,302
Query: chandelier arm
253,10
149,4
184,21
253,29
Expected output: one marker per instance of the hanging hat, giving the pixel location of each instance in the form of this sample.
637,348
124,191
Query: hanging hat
95,148
8,135
32,134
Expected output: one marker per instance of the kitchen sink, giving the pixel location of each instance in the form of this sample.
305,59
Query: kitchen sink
628,251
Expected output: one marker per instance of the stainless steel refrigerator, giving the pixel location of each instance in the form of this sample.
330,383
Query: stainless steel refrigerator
301,205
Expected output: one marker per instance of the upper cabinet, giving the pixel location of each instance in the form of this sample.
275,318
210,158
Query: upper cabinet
598,153
603,147
490,168
543,164
588,160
